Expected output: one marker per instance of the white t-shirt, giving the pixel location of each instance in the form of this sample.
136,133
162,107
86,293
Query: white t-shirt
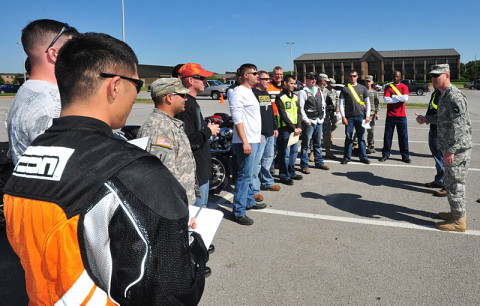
32,111
245,109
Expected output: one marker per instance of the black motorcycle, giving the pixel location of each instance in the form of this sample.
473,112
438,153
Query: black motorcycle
221,151
220,148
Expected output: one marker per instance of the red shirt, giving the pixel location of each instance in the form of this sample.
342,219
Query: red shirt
396,109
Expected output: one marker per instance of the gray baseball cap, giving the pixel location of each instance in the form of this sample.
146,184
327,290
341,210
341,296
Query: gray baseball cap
440,68
166,86
369,78
331,81
322,77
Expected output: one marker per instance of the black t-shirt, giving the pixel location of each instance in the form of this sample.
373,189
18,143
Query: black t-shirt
198,134
266,112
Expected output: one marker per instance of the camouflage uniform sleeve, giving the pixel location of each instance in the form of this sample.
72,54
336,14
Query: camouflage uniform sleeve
376,103
458,113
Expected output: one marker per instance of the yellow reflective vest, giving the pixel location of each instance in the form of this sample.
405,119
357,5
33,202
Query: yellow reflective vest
291,108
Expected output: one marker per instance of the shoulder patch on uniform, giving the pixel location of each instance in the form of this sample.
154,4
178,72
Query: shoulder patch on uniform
164,142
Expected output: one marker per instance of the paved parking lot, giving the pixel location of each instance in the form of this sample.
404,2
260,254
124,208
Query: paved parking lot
356,234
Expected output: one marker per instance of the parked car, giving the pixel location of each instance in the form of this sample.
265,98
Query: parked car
377,87
473,84
414,87
9,88
214,89
230,82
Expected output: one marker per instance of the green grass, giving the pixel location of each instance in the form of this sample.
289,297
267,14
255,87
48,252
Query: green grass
12,94
144,101
420,105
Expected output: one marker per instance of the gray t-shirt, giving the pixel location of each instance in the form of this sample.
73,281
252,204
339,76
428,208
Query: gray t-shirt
34,107
352,107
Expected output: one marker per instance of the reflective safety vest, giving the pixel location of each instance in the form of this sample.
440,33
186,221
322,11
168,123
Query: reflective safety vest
433,100
291,108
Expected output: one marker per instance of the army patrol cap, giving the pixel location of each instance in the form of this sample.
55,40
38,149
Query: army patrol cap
323,77
369,78
311,75
439,69
331,81
165,86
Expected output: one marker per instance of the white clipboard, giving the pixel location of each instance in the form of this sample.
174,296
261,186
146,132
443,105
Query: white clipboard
207,221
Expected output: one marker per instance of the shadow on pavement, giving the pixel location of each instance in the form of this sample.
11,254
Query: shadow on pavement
353,203
375,180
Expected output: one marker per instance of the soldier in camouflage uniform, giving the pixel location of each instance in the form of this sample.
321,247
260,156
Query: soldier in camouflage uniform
455,141
373,95
167,139
330,119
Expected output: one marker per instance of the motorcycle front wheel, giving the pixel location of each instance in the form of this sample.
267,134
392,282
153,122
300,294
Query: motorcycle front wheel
220,173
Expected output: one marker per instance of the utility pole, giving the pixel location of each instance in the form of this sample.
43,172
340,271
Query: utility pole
23,63
123,21
291,43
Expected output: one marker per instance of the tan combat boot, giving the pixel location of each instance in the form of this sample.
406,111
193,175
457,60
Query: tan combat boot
453,225
447,216
312,156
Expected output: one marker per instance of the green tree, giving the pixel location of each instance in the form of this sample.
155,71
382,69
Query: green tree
213,77
2,81
18,78
470,70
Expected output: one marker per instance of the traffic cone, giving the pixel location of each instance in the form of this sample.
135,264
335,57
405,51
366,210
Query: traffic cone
221,99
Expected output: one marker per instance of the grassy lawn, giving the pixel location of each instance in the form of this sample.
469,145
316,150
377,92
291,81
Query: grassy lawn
8,95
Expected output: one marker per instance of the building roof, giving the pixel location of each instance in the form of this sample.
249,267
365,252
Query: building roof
385,54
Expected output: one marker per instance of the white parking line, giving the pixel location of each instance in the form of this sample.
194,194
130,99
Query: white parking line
228,196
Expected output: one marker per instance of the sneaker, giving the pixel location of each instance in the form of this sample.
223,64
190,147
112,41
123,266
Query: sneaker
258,197
286,181
271,188
305,171
384,158
371,150
345,161
323,167
440,193
297,177
365,161
258,206
243,220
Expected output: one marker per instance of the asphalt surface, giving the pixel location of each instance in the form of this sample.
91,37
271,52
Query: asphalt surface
356,234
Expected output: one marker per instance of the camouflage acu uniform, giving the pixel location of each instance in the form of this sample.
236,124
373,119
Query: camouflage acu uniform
168,141
373,96
328,124
455,136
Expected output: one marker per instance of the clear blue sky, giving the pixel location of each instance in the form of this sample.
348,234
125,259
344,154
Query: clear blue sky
222,35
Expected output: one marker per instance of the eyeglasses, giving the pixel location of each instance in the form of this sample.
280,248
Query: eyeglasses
254,73
265,79
198,77
66,28
354,76
138,83
435,75
183,95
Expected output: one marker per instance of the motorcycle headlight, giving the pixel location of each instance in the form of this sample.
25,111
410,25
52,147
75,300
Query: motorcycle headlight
226,132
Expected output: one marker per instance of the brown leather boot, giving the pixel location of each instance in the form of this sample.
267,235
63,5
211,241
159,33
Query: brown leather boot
454,225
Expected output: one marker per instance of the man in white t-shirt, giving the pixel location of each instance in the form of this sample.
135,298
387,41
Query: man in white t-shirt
38,100
247,136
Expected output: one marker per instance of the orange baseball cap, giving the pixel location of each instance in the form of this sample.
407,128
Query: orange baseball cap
193,69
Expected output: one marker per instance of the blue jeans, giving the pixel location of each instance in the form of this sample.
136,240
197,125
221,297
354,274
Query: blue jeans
287,155
311,131
245,187
266,154
390,124
203,199
354,122
437,155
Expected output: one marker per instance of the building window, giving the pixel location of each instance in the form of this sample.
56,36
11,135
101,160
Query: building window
387,67
408,69
358,67
308,67
419,70
328,68
318,68
453,68
373,68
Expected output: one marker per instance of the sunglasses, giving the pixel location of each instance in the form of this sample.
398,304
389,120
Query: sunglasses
354,76
254,73
138,83
311,78
265,79
183,95
198,77
435,75
66,28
